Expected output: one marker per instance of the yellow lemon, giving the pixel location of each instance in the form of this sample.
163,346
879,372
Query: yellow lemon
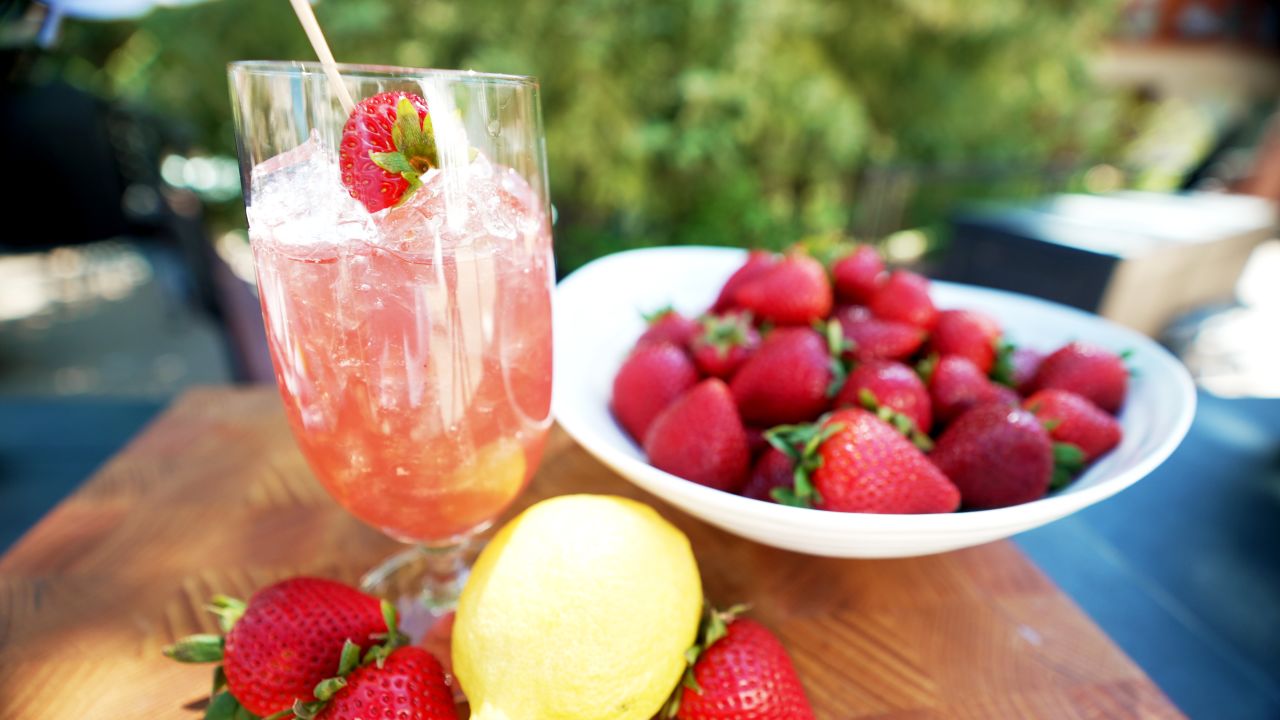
581,608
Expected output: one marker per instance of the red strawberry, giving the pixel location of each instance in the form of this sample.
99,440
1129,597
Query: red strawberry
1096,373
667,325
648,381
1005,394
1070,418
955,385
773,470
862,464
740,672
904,297
858,275
758,261
409,683
1024,362
997,455
891,385
387,145
795,291
786,381
700,438
967,333
870,338
285,641
724,343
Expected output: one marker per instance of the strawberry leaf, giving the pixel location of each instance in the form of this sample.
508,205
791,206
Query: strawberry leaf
202,648
228,609
656,315
392,162
1002,371
925,367
225,707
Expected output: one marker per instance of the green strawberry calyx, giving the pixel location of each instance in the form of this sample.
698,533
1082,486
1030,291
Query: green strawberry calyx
1068,461
897,420
801,443
415,144
838,346
713,627
725,332
1002,369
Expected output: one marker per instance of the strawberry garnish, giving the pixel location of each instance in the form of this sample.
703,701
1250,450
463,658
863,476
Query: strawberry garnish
870,338
1071,418
858,275
650,379
904,297
997,455
287,639
855,462
1088,370
700,438
968,333
788,380
884,385
738,669
794,291
667,325
387,146
724,343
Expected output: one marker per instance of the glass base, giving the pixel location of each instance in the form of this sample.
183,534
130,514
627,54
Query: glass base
424,583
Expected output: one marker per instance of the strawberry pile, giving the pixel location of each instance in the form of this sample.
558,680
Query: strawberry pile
847,389
309,648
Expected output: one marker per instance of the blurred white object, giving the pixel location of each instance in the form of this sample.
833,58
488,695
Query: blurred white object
597,319
97,10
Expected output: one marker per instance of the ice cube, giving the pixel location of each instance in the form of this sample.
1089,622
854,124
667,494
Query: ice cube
477,205
297,201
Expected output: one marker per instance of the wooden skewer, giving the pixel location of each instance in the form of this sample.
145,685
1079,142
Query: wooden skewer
307,16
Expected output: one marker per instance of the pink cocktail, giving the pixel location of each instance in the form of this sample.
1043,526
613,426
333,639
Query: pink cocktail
411,343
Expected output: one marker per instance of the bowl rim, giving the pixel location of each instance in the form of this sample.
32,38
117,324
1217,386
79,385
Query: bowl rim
1051,506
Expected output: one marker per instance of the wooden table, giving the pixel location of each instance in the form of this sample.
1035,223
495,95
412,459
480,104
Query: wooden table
214,497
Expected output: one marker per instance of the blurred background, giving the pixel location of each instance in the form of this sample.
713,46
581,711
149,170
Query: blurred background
1122,156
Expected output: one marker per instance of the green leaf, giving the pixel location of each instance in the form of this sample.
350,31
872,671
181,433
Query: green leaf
201,648
1068,455
224,707
349,659
219,680
1002,369
326,689
228,609
392,162
925,367
868,399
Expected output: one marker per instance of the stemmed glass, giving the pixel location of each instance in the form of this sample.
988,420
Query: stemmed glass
411,344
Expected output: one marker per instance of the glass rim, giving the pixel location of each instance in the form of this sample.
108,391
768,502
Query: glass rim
309,68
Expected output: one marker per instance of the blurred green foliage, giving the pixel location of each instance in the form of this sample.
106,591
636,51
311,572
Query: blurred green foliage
696,121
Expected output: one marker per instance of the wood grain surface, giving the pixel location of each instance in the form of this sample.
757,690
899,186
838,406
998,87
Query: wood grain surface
214,497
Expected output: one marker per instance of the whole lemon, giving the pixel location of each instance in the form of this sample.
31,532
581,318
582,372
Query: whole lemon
580,608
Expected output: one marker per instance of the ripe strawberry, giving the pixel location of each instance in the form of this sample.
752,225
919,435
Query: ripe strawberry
285,641
758,261
700,438
1016,367
1070,418
967,333
1005,394
667,325
890,385
904,297
858,275
955,385
787,380
774,469
795,291
739,672
862,464
870,338
387,145
997,455
1096,373
649,380
724,343
409,683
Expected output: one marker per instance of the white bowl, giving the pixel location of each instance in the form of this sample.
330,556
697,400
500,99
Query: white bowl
598,318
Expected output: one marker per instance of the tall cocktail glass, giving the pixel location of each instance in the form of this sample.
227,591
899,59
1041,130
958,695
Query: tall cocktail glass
412,342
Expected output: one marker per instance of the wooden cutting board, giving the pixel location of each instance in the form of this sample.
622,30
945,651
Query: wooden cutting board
214,497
